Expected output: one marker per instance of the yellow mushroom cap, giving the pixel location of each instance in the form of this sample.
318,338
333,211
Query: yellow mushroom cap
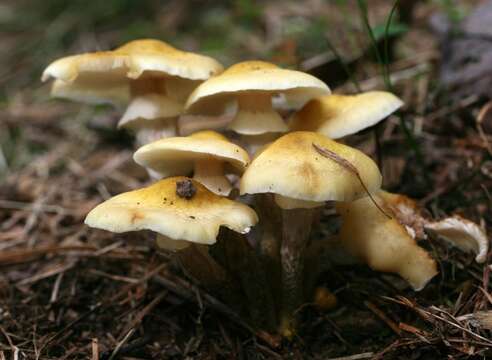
177,155
211,97
384,244
293,168
339,115
131,61
159,208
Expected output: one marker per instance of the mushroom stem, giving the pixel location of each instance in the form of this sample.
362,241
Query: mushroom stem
149,107
322,255
254,143
152,130
241,260
151,112
256,116
268,246
296,227
189,124
210,173
148,85
195,260
179,88
199,265
289,203
163,242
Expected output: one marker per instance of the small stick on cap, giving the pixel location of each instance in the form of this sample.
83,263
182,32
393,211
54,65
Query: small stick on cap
185,189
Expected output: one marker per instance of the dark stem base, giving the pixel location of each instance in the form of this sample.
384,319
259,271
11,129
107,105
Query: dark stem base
296,227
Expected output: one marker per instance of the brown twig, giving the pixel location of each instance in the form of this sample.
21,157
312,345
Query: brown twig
21,256
381,315
55,270
121,343
56,288
189,294
14,349
145,311
455,323
367,355
95,349
484,112
431,316
422,335
109,302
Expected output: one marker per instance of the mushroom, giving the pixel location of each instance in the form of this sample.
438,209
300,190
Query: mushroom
301,179
337,116
206,153
463,234
324,299
253,85
93,93
456,230
383,243
407,212
159,78
181,211
177,208
189,124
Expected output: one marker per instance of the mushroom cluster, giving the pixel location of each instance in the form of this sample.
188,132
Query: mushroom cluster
237,199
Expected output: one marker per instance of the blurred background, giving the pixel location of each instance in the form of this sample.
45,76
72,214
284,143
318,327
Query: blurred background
299,34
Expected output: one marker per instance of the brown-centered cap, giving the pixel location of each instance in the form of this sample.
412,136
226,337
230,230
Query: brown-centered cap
178,208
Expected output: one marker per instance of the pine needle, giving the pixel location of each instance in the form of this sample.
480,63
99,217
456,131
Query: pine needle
347,165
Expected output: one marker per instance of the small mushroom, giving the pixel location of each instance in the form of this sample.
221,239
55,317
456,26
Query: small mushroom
205,152
253,85
161,209
456,230
383,243
324,299
301,179
463,234
159,78
337,116
185,215
151,116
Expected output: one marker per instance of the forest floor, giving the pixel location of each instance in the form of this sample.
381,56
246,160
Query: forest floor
69,292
